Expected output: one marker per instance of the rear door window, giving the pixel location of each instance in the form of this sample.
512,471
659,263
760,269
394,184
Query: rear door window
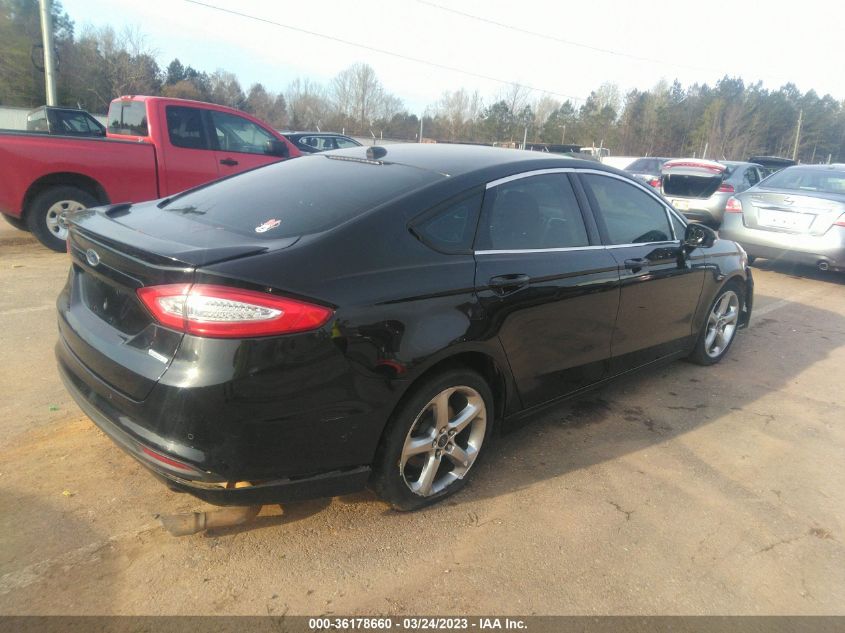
751,177
451,226
128,118
185,128
629,214
536,212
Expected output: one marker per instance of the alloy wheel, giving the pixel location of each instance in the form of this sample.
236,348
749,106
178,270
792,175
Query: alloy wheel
721,324
444,441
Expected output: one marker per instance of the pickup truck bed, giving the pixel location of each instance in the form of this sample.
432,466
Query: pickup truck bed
156,147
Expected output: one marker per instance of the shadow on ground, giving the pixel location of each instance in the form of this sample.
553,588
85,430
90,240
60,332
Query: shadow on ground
800,271
606,424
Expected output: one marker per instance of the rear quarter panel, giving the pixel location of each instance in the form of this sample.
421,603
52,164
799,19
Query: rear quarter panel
125,170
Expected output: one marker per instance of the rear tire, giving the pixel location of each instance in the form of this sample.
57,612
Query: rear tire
18,223
44,214
719,330
433,440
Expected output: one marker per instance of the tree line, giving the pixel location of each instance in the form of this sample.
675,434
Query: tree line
729,120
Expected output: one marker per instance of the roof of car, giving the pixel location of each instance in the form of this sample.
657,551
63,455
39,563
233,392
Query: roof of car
456,159
831,166
314,134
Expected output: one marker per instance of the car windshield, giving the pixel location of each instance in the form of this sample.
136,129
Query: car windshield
298,197
798,179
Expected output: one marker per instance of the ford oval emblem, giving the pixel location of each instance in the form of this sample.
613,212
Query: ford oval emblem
92,257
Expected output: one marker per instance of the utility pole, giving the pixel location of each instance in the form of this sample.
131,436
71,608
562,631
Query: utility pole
797,134
421,126
49,61
563,134
525,137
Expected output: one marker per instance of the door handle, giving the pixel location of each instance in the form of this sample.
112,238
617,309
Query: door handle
637,264
228,161
505,284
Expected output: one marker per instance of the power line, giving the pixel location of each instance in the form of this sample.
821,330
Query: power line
381,50
561,40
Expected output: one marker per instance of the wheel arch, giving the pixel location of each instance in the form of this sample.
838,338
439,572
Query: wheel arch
494,370
63,179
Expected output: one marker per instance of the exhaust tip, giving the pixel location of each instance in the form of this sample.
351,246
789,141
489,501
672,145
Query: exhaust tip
194,522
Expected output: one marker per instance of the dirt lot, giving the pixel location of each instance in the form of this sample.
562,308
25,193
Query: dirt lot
685,491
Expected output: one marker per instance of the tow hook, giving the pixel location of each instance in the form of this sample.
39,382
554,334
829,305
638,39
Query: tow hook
194,522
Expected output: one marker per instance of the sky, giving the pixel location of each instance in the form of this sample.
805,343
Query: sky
574,47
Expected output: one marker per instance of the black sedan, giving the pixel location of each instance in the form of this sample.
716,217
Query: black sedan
370,316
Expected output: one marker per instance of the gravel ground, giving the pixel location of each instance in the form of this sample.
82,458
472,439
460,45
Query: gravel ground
687,490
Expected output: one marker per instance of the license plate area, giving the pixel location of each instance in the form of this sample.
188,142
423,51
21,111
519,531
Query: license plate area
115,306
786,220
680,205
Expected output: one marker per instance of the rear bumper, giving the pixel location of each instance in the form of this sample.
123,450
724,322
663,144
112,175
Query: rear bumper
802,249
705,210
178,472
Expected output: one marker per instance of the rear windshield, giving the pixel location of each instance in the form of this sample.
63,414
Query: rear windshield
822,180
128,117
298,196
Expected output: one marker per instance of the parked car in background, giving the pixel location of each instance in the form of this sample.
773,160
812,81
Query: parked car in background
771,164
311,142
647,169
370,315
797,214
619,162
156,147
700,188
64,122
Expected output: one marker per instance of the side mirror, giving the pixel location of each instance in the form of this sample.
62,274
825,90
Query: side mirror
275,147
699,236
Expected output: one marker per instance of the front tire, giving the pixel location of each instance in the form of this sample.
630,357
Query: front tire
719,330
44,217
433,440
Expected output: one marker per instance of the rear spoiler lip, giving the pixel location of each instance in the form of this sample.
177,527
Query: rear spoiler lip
100,225
692,164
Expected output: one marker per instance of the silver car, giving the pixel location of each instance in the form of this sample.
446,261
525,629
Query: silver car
700,188
647,169
797,214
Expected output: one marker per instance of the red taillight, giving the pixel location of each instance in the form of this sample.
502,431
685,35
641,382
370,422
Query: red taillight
733,205
726,188
225,312
840,221
654,182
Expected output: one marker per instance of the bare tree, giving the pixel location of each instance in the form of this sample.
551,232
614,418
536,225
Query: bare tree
307,103
543,109
225,89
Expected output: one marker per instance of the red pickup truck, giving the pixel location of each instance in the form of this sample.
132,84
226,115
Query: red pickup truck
155,147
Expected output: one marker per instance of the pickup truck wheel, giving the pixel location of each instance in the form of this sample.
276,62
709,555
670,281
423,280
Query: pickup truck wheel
44,216
433,440
18,223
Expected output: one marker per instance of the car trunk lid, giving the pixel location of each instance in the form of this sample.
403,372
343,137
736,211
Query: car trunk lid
692,178
115,251
790,211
